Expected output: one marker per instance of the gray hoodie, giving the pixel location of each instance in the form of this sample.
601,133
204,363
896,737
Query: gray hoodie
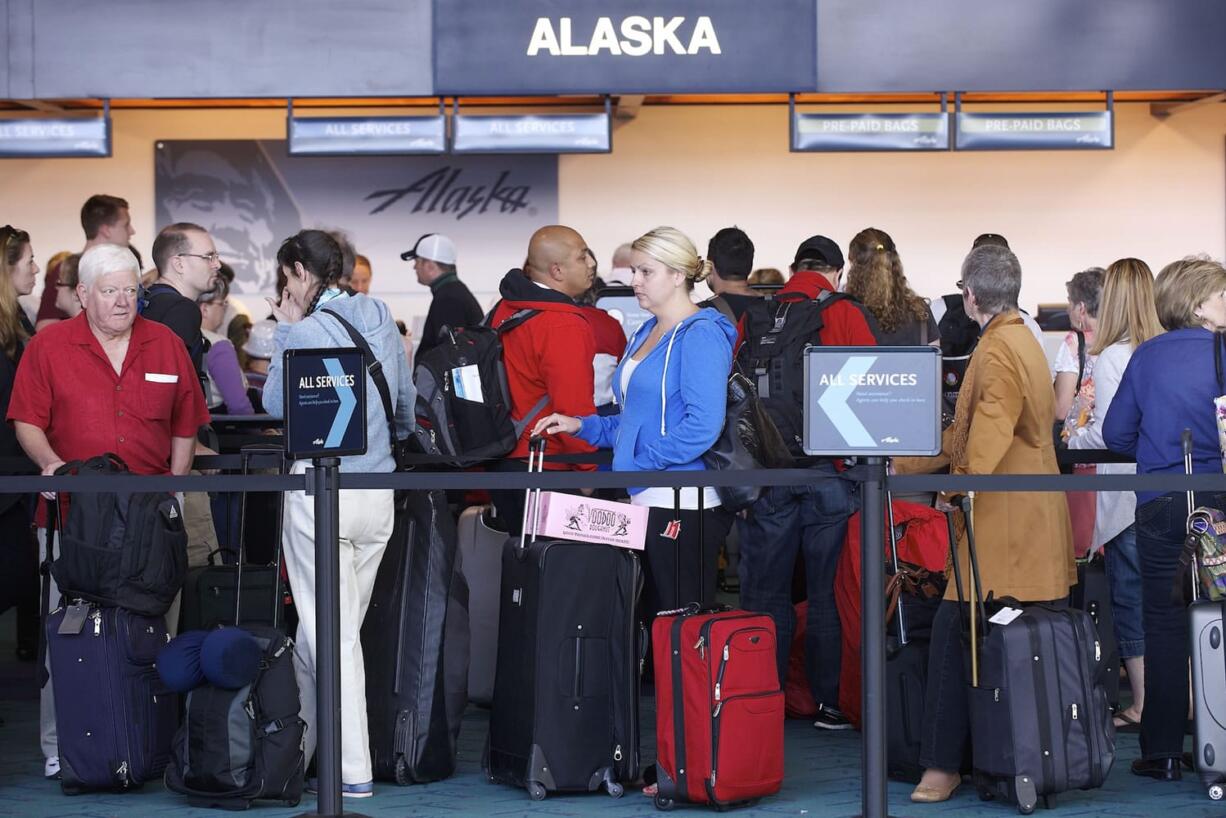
372,318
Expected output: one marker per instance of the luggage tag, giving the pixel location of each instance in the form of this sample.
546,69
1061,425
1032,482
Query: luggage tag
74,619
672,531
1005,615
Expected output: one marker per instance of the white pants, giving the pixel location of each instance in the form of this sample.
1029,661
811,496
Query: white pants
366,519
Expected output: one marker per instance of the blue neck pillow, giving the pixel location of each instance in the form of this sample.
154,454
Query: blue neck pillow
230,658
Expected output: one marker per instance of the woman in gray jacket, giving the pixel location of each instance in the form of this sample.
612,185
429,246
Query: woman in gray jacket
311,263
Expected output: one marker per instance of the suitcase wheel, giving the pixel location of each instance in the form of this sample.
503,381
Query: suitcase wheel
616,790
401,772
536,791
663,803
1216,792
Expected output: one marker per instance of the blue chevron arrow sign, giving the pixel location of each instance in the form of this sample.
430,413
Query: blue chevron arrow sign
872,401
325,402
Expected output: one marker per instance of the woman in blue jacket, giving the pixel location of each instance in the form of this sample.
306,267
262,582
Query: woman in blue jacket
671,386
1169,385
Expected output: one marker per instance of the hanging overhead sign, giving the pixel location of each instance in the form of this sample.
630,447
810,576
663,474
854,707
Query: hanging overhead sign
872,401
870,132
1091,130
370,135
39,138
545,133
624,46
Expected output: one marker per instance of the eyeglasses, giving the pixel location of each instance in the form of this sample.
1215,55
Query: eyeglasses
209,257
960,284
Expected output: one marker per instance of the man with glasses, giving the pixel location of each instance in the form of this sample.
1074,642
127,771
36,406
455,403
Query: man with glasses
187,264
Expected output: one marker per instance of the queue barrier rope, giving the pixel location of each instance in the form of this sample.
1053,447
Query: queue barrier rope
86,483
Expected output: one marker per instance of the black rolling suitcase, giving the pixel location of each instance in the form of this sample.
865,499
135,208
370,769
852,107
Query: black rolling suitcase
236,746
415,642
209,594
1040,724
565,712
1092,594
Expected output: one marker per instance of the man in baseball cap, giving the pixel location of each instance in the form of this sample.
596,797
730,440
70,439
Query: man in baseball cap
452,304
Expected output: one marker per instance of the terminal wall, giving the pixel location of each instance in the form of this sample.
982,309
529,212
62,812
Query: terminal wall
1159,195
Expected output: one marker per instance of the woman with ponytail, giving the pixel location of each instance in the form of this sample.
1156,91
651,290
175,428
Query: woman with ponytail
875,278
671,385
311,263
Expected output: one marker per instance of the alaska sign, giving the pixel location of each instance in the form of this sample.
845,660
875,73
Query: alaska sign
624,46
635,37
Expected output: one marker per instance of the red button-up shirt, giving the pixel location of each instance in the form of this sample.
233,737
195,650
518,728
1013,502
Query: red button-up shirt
67,387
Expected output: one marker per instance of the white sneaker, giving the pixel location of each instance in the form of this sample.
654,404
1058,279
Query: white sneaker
51,769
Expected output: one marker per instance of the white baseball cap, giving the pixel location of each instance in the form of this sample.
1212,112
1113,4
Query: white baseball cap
260,344
432,246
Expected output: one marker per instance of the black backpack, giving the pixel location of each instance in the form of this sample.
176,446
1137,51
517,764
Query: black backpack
236,746
777,331
124,549
154,304
462,396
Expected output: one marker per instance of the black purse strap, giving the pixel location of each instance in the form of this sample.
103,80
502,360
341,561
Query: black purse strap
375,368
1218,340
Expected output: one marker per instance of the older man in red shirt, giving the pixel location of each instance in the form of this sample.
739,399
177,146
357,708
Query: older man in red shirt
105,381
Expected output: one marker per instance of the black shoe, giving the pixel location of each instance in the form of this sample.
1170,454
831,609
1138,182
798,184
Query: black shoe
1163,769
831,718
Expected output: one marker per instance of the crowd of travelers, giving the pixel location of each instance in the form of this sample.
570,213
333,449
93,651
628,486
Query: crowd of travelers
134,362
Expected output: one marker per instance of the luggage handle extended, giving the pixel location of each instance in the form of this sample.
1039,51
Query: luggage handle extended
893,540
1194,561
680,605
532,498
967,504
245,455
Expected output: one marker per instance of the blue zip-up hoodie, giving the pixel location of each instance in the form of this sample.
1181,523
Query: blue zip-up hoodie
673,410
373,320
1168,386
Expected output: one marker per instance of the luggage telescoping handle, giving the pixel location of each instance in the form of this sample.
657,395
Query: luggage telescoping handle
532,497
893,540
245,455
702,583
1186,441
977,607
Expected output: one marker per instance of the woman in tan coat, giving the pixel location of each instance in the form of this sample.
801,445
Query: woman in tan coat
1002,425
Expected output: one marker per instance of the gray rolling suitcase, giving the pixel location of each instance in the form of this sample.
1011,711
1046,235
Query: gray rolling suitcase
481,564
1205,638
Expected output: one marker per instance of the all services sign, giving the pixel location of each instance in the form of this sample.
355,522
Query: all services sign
874,401
624,46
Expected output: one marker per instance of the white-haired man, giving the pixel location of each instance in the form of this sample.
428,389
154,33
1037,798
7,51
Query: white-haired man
104,381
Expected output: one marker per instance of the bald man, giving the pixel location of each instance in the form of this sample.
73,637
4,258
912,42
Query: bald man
547,346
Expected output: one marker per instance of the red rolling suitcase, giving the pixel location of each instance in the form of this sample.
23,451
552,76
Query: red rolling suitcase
719,708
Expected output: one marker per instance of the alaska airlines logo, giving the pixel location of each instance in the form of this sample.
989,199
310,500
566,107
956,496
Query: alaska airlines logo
638,36
443,191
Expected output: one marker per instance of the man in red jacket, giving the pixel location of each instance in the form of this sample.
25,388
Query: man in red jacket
548,357
812,518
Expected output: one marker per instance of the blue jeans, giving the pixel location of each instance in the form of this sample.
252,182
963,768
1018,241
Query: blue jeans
785,520
1124,580
1160,533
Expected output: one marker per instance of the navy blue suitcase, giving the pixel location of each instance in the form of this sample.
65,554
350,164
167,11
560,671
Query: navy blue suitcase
114,716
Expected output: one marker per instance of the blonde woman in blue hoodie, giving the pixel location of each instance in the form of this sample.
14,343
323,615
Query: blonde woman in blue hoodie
311,262
671,386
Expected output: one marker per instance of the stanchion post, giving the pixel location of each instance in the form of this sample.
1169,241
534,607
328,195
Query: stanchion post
326,487
872,641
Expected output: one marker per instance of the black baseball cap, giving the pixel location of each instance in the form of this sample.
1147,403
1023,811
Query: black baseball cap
820,248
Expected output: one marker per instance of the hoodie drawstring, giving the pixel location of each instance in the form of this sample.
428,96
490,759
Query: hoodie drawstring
664,380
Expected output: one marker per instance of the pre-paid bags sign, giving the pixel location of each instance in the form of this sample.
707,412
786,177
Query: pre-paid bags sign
624,46
872,401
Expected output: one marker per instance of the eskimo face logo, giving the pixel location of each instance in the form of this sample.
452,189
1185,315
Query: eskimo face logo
639,36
